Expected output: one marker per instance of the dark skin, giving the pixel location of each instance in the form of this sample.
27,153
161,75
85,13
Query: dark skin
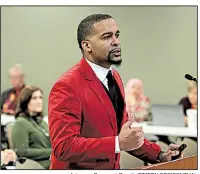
102,47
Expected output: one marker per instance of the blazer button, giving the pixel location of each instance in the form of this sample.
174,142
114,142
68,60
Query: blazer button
107,160
98,160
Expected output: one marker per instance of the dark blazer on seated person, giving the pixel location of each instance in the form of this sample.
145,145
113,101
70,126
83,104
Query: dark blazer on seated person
31,140
5,95
185,102
9,99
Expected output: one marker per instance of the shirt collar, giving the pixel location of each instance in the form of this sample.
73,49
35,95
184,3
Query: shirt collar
100,71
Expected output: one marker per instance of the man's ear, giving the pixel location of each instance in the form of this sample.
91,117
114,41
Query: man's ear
86,45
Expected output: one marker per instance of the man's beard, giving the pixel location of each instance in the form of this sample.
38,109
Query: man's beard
114,62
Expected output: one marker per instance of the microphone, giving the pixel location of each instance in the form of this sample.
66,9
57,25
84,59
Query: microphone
189,77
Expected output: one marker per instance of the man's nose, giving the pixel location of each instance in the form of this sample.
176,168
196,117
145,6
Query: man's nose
115,42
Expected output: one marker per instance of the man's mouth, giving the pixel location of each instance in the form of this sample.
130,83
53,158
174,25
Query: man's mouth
116,52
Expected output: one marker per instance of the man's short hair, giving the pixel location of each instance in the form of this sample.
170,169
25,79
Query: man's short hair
86,26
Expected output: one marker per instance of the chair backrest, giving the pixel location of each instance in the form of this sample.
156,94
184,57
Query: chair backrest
9,128
129,162
29,164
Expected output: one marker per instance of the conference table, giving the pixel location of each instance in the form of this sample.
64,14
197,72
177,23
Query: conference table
148,129
168,131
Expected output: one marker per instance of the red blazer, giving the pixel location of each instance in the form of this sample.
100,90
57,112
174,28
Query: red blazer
83,125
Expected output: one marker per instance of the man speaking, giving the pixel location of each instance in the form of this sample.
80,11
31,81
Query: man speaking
88,122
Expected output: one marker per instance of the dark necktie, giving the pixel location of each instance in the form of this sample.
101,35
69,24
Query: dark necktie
114,95
111,85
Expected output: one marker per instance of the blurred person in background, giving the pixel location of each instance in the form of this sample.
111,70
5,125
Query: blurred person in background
189,101
139,105
9,97
7,155
30,133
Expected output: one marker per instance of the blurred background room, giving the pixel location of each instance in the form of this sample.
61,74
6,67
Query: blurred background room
159,46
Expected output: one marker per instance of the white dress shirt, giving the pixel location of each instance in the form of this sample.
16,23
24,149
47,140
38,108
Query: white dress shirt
101,74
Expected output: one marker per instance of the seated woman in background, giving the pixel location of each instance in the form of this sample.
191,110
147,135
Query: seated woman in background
138,105
30,133
189,101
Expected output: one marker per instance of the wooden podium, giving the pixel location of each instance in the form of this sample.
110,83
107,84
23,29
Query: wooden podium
187,163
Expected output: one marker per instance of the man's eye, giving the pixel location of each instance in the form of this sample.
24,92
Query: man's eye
107,37
117,35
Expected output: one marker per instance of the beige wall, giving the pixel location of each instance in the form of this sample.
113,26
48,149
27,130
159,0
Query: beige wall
159,45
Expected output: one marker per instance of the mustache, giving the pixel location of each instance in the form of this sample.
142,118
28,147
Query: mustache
115,50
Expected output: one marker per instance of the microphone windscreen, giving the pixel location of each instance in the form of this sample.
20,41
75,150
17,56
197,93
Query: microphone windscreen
189,77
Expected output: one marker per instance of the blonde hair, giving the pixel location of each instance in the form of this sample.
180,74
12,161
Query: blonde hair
191,85
131,83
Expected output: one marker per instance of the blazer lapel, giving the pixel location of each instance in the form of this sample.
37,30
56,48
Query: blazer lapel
120,85
100,92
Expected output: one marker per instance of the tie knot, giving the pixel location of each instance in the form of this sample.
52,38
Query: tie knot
110,79
109,75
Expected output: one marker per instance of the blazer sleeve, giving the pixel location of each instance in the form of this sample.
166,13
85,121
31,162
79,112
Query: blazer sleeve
65,119
147,152
20,138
